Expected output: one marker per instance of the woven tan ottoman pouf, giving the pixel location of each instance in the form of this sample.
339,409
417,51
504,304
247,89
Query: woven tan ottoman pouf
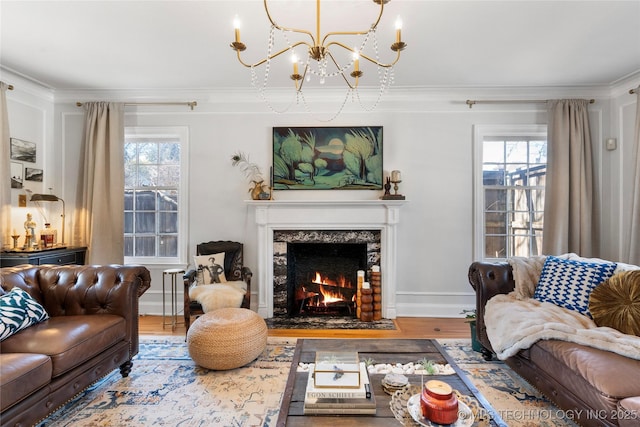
227,338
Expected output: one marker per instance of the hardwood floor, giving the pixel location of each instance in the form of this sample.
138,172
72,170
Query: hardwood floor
406,327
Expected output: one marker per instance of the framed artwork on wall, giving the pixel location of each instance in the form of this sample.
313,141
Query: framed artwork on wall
327,158
33,174
24,151
17,178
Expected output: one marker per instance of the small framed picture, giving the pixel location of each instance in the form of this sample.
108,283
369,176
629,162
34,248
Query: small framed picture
17,178
24,151
33,174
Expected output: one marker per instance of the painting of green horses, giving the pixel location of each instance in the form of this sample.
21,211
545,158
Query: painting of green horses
327,158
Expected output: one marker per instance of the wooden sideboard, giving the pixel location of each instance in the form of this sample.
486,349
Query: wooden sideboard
69,255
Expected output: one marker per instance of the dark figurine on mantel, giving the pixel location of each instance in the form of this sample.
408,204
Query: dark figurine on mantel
387,187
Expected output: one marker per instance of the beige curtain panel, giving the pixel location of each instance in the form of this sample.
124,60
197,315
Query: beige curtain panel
570,218
99,220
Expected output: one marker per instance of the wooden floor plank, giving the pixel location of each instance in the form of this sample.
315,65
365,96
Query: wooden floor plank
406,327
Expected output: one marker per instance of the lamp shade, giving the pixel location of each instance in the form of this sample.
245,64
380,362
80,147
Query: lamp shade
44,198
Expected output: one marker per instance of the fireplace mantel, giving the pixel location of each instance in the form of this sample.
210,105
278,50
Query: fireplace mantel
270,215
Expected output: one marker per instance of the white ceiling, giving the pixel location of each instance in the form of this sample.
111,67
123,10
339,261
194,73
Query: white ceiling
147,45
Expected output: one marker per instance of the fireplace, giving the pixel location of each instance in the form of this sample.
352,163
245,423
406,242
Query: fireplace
322,278
282,222
335,255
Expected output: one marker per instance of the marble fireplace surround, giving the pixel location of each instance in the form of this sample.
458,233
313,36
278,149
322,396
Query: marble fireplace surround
272,215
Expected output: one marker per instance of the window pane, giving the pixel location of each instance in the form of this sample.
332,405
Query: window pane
128,245
128,200
128,222
495,246
168,222
516,152
495,200
167,200
538,152
168,176
145,200
145,246
147,176
170,153
148,153
145,222
130,175
494,176
130,153
168,246
493,152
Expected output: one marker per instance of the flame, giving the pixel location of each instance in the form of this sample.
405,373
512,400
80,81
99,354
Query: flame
329,295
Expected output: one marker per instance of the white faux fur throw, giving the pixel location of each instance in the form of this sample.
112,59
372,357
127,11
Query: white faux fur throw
513,325
526,273
219,295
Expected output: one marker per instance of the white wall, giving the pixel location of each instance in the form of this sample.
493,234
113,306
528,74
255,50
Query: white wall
30,110
428,135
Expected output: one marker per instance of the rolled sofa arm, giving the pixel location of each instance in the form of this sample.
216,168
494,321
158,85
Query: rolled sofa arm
488,280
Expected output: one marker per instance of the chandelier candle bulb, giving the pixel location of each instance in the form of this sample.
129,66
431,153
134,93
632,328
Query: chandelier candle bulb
398,30
236,26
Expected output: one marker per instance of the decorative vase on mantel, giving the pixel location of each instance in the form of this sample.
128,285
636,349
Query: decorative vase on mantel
258,190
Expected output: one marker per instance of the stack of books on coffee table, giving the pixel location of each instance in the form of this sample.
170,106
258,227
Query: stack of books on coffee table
338,384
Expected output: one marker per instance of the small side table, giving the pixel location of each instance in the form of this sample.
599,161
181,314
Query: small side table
173,276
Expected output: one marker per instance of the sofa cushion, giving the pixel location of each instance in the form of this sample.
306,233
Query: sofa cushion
616,302
601,369
69,340
568,283
21,374
18,311
628,412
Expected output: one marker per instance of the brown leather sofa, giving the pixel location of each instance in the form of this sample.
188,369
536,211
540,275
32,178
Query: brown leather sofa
92,330
594,387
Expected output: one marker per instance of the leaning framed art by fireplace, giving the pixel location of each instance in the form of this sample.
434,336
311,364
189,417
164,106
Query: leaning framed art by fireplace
327,158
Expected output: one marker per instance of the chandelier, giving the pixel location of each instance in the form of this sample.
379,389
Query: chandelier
324,57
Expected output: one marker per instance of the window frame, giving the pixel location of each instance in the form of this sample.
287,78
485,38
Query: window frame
182,134
481,132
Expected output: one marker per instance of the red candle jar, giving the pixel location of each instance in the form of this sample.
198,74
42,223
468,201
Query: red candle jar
439,403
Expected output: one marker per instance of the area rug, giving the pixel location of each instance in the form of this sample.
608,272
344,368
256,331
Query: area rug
327,322
165,388
513,399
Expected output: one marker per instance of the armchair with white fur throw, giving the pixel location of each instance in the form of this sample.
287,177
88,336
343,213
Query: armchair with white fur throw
218,280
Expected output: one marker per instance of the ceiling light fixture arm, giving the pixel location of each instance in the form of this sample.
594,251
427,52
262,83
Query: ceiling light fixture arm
270,57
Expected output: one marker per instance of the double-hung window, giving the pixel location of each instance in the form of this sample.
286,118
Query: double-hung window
155,194
509,179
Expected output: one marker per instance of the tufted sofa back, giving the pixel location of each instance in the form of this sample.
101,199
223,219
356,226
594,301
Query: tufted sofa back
70,290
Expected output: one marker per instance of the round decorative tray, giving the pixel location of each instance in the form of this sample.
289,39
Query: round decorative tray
465,416
399,405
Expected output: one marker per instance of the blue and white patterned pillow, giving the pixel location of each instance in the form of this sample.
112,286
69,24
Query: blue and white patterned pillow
18,311
568,283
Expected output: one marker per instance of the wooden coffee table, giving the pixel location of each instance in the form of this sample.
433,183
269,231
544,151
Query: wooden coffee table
381,351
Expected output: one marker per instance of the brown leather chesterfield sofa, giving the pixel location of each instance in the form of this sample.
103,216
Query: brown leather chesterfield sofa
92,329
594,387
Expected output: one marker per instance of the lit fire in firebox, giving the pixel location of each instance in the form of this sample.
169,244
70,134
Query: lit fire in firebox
331,292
